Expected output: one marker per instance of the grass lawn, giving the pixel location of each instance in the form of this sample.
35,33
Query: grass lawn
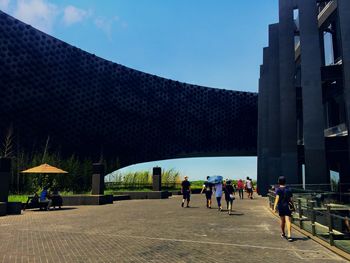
23,197
18,198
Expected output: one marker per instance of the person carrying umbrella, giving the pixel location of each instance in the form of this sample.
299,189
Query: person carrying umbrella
217,181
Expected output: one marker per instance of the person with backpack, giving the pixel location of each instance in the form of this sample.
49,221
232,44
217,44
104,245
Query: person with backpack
208,188
284,204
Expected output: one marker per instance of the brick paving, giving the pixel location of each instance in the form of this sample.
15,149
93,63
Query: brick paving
154,231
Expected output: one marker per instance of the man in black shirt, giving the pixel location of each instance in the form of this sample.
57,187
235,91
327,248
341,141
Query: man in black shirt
185,190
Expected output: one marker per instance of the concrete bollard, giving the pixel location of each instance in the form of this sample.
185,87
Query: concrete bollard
157,179
98,179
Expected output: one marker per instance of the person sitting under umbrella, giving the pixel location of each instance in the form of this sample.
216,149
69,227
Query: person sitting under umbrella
44,197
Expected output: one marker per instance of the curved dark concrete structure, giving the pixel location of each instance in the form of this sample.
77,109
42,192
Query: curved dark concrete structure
90,106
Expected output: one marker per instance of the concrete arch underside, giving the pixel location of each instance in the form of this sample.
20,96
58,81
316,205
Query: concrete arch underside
90,106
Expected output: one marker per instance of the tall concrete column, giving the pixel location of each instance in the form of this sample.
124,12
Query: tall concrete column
263,180
344,23
289,153
264,123
314,143
274,105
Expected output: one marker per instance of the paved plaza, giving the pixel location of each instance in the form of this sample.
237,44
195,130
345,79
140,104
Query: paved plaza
154,231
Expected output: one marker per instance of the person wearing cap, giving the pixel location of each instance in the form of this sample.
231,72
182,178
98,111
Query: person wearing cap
186,191
283,198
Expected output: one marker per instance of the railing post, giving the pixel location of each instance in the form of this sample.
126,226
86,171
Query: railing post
300,212
313,217
330,225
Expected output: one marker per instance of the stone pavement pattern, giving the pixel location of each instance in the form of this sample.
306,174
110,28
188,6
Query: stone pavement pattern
154,231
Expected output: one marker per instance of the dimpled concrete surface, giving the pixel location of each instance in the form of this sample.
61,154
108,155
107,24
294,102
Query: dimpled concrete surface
154,231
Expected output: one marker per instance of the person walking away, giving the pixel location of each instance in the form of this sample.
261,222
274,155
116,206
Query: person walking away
186,191
218,194
240,187
226,193
208,188
283,197
249,186
231,194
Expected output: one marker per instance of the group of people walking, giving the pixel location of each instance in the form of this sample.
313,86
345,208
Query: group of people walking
283,201
226,188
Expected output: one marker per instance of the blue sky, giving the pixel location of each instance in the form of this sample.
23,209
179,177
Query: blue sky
205,42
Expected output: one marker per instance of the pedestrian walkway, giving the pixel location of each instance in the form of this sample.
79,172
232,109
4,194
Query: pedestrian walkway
154,231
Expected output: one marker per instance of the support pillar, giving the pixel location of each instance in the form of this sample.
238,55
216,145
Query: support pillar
262,179
263,116
274,106
289,152
311,82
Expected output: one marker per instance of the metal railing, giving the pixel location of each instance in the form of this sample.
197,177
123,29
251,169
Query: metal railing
328,221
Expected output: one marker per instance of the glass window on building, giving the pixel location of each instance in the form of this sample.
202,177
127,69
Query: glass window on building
328,48
334,176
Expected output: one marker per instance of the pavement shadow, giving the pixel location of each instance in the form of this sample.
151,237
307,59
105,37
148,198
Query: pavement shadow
55,210
236,214
300,239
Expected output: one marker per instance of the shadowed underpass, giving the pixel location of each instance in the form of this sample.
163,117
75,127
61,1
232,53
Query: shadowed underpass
154,231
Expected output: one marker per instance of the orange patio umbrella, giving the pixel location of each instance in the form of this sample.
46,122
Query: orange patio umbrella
44,169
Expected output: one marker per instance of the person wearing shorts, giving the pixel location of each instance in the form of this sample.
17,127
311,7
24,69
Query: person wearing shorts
249,186
208,188
283,197
186,192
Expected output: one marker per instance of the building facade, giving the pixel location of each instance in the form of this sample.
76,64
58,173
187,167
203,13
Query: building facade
90,107
304,96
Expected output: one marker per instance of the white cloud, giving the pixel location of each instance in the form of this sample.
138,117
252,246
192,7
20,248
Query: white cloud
106,25
38,13
4,5
124,25
74,15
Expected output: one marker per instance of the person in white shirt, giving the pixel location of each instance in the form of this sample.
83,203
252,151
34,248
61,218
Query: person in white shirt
249,187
